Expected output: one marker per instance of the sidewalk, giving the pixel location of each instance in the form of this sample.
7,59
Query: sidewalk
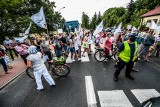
18,67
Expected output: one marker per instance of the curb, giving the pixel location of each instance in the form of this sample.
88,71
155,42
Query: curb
1,87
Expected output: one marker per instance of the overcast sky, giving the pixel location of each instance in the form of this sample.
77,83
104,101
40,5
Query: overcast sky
74,8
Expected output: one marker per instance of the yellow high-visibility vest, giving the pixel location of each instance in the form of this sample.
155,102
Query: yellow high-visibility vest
125,55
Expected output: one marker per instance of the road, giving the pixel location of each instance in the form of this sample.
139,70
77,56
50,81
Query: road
89,83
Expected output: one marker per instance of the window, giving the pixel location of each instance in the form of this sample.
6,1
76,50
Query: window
158,23
148,21
155,20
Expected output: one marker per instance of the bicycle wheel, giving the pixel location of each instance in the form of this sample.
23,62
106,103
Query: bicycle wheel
99,55
61,70
29,72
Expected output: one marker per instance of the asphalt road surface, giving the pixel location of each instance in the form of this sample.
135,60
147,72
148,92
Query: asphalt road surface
90,83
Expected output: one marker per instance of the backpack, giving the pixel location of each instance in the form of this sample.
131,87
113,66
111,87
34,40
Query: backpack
139,40
149,41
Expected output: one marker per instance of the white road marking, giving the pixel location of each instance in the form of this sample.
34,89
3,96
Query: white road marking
93,48
145,94
114,98
86,58
69,60
91,99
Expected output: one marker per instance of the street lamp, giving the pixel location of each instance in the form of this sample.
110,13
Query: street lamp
61,9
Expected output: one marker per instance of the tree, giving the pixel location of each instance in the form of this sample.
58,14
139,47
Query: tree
85,21
99,18
131,15
113,16
15,16
93,22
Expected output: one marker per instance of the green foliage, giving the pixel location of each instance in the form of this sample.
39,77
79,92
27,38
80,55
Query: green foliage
142,27
85,21
15,16
93,22
96,19
131,15
113,16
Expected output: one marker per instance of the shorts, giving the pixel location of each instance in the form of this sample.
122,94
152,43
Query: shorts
72,49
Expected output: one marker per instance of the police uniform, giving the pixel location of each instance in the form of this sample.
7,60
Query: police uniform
127,56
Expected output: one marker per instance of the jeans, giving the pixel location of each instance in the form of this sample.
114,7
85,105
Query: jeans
2,61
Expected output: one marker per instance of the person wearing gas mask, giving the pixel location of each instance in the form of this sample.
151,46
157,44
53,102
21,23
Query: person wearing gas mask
127,56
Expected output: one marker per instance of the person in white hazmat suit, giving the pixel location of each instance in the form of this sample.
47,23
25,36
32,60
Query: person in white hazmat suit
35,60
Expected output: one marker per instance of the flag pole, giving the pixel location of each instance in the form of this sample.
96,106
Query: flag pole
48,34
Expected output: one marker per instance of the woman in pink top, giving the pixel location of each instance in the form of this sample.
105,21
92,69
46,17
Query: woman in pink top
107,46
23,51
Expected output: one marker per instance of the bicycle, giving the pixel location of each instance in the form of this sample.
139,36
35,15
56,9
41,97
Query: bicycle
100,56
57,67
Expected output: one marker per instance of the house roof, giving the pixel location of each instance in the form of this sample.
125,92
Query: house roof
153,12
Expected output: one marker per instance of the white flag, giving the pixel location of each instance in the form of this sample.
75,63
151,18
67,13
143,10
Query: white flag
133,29
21,39
80,28
153,25
118,29
39,19
129,27
98,29
27,31
120,26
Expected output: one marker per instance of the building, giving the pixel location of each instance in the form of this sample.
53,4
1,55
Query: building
153,15
71,25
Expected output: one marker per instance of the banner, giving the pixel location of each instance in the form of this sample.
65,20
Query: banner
60,31
27,31
39,19
98,29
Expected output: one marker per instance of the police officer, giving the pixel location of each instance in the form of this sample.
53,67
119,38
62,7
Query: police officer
127,56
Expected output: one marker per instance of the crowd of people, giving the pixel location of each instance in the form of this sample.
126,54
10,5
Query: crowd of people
42,47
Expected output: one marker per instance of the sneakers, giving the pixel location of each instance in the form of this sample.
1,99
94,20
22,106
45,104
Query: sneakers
146,60
115,78
79,59
73,60
134,70
130,77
